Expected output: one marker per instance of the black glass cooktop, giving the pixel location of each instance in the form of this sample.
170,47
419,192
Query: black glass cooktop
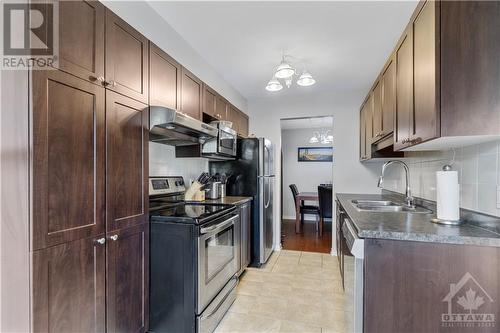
190,213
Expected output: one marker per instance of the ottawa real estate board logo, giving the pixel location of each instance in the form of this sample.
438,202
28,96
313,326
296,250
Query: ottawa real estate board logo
29,35
468,305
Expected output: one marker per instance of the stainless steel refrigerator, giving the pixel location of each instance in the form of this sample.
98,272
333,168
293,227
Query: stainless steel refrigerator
252,174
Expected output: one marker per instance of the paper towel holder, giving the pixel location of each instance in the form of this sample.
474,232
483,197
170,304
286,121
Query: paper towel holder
447,167
446,222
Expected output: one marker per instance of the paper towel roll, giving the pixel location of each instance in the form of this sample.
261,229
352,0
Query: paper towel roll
448,201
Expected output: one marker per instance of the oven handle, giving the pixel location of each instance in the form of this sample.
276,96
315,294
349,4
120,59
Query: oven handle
235,283
218,226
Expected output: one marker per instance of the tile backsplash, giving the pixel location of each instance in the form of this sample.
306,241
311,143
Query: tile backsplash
478,173
162,162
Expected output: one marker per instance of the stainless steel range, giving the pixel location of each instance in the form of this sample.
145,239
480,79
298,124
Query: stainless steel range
193,259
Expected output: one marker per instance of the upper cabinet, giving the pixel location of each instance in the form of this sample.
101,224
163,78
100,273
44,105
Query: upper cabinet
68,158
126,65
81,39
439,88
164,79
221,108
366,129
404,90
209,101
191,94
388,87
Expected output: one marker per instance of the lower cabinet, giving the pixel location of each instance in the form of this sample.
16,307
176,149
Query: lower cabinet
127,279
245,218
93,285
69,287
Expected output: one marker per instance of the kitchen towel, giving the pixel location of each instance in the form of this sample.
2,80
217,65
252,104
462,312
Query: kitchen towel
448,201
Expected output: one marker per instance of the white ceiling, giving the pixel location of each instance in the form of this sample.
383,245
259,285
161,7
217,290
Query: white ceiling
300,123
343,44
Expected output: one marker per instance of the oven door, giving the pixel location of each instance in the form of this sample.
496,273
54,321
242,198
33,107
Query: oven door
227,141
217,262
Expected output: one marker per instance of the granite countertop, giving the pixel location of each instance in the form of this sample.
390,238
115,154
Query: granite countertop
229,200
412,227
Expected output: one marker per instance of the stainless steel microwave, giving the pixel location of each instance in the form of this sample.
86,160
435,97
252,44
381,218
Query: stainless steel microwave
225,144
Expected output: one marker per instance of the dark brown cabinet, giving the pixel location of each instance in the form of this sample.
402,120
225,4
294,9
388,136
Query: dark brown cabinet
128,260
81,39
404,91
388,97
221,108
164,79
209,101
424,120
377,111
68,158
243,124
191,94
366,129
127,162
69,287
126,63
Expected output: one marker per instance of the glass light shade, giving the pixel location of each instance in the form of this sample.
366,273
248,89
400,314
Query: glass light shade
284,70
313,140
305,80
274,85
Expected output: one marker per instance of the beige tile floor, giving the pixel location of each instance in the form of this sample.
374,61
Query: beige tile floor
294,292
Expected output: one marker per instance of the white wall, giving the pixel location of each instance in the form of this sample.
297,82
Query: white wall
162,162
479,175
148,22
349,175
306,175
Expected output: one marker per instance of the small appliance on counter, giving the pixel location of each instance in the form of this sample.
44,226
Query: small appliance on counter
194,251
212,191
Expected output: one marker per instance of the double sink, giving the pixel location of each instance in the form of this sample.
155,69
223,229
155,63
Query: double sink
387,206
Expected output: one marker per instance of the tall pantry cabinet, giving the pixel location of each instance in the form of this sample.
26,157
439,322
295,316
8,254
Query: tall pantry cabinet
90,196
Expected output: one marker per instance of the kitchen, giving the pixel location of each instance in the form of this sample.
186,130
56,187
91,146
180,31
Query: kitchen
82,247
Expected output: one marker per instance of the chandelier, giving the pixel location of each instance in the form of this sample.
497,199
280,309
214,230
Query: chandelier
285,73
323,136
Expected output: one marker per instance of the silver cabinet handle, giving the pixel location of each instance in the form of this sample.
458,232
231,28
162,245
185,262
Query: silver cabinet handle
101,241
97,78
114,237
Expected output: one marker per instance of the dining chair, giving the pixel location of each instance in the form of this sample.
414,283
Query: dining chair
325,205
304,209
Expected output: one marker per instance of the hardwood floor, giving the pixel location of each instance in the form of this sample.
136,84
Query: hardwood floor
308,240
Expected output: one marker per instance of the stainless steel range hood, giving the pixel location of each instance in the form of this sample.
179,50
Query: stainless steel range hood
167,126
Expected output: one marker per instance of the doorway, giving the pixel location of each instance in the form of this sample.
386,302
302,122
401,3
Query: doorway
307,158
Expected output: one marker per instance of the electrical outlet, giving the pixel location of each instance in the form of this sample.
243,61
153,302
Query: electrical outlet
498,196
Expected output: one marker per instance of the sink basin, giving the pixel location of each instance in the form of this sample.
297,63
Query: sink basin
386,206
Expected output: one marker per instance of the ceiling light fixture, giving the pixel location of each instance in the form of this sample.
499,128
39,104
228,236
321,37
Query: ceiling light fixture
306,80
284,76
324,137
274,85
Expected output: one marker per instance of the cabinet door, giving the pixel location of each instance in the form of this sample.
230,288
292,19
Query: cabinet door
233,116
377,111
368,127
209,101
243,126
362,134
221,108
126,59
164,79
81,39
245,234
388,97
404,91
127,162
191,94
424,124
127,280
68,158
69,287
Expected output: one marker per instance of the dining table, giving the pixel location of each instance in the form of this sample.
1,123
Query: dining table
302,196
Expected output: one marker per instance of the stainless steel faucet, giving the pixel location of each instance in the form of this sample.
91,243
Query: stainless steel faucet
409,198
